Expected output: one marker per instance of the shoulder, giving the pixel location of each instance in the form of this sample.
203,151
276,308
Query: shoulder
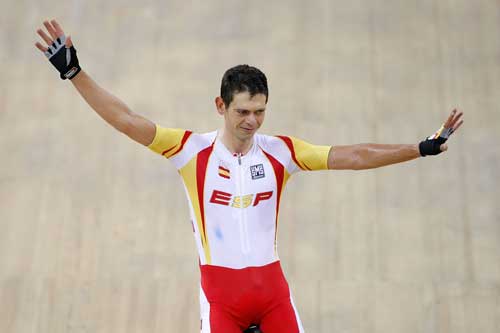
200,141
301,154
271,143
171,141
180,145
275,146
194,144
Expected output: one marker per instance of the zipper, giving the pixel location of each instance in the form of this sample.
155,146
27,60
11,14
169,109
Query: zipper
245,244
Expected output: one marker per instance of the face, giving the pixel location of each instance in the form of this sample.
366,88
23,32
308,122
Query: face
245,114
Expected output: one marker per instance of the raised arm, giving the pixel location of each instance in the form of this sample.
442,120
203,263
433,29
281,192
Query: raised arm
109,107
371,155
114,111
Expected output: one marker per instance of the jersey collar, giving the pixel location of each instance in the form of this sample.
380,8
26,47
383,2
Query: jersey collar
224,153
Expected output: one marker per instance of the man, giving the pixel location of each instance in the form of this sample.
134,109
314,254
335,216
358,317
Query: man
233,179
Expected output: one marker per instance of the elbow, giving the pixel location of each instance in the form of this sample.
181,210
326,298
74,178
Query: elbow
123,127
124,124
357,161
361,159
346,158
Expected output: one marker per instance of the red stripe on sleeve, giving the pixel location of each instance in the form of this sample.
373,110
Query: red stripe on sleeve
169,149
289,144
186,136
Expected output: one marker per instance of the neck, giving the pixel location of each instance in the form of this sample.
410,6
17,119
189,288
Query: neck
234,144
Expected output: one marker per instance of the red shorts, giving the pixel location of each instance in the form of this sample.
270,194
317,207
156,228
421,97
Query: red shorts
233,299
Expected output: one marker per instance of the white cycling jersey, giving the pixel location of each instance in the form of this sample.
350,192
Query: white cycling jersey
234,199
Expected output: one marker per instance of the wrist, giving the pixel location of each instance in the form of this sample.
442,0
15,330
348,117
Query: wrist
73,72
431,146
416,150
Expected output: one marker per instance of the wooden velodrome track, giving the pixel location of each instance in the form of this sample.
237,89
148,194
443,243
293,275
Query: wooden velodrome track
94,228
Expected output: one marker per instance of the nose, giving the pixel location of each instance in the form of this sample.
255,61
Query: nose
251,120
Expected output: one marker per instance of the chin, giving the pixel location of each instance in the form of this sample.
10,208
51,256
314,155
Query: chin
248,133
245,135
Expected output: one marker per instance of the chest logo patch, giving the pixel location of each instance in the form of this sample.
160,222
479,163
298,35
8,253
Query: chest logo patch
224,173
257,171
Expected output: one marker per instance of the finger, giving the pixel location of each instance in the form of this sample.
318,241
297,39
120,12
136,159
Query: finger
456,119
50,29
450,119
457,126
69,42
443,147
57,27
41,47
45,37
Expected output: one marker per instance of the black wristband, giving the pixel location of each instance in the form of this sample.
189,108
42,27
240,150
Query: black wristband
431,146
64,59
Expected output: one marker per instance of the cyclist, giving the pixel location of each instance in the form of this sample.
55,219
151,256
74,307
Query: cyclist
234,178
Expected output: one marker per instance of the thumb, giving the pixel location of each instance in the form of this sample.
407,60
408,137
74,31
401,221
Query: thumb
444,147
69,42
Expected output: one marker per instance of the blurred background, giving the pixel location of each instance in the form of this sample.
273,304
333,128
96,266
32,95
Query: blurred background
94,228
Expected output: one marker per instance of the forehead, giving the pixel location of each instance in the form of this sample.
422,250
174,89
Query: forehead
242,100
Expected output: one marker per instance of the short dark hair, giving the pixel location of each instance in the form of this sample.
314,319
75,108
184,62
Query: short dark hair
243,78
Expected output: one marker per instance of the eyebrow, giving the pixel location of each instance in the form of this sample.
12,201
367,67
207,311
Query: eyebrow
249,110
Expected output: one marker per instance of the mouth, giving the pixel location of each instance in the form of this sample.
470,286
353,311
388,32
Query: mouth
247,129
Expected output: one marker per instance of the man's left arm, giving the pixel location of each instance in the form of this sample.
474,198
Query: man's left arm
371,155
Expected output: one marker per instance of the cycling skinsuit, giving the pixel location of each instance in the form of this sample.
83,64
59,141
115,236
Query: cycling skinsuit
234,204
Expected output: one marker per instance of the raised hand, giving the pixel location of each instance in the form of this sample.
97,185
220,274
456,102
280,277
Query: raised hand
435,144
59,50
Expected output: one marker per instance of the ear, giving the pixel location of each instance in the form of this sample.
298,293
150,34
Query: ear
221,107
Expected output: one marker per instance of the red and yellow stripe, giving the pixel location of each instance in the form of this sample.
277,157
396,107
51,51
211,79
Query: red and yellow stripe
175,149
305,155
289,143
194,175
169,141
281,178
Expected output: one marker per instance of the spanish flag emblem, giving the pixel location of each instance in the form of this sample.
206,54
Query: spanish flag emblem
223,172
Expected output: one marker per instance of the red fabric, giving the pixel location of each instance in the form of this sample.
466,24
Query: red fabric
252,295
281,319
186,136
201,170
279,172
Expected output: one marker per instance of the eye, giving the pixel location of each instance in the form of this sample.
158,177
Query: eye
242,112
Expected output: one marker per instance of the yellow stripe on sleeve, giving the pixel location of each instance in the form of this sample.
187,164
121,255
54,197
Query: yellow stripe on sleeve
167,141
311,157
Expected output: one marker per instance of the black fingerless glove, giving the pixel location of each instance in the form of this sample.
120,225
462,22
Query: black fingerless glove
431,145
63,59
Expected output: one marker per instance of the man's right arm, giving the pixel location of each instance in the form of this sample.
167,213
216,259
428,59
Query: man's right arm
114,111
61,53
